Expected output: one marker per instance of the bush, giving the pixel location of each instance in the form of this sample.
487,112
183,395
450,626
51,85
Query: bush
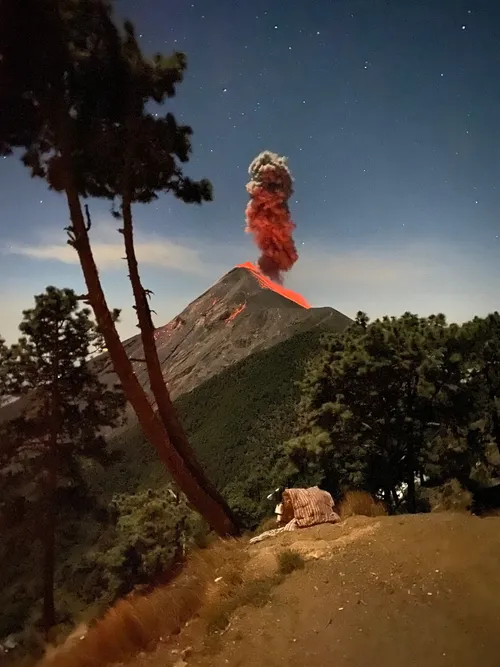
360,503
449,497
152,530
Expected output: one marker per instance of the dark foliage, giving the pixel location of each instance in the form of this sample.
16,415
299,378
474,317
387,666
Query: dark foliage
396,402
46,449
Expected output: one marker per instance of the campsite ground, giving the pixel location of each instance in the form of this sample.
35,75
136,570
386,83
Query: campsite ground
419,590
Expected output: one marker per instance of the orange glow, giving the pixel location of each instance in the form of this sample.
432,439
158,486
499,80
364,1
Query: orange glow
235,313
266,283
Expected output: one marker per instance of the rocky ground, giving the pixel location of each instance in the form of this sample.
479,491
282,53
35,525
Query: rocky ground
422,591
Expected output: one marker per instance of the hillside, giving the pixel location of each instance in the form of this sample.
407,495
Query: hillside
234,420
240,314
417,590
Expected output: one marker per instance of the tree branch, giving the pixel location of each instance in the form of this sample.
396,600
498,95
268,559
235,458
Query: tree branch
87,215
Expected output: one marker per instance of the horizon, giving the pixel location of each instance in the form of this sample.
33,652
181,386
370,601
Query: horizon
387,114
360,274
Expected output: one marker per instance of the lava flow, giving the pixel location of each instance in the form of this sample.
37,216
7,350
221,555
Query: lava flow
235,313
267,283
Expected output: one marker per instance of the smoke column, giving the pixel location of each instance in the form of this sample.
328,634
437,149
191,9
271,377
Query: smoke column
268,216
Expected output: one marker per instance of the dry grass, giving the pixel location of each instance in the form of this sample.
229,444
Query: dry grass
254,592
139,623
249,589
360,503
266,524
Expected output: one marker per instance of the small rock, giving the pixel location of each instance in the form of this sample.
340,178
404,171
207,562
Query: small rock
181,663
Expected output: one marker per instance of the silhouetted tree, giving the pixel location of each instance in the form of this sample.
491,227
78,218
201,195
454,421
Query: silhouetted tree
481,338
384,404
76,86
64,411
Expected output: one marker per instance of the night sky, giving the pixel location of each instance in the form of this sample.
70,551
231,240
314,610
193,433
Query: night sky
388,111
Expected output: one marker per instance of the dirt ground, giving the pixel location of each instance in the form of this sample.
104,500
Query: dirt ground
422,591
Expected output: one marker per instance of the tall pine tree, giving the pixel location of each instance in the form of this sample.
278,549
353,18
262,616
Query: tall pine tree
65,409
75,83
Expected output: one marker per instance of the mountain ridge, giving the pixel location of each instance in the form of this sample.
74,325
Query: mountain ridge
243,312
237,316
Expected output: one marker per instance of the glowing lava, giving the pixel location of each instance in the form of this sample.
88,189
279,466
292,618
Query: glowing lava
266,283
235,313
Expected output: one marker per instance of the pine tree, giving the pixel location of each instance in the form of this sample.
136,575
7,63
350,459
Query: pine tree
65,409
132,162
481,338
69,71
385,403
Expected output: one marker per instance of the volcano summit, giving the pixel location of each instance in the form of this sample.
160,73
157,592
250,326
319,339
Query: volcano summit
244,311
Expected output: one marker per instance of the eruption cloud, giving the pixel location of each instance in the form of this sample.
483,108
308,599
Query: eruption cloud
268,216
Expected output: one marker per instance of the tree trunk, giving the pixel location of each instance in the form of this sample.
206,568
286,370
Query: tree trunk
411,496
49,551
166,408
213,511
495,420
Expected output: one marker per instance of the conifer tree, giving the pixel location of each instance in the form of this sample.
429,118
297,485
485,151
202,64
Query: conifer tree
384,404
65,409
481,339
75,85
131,162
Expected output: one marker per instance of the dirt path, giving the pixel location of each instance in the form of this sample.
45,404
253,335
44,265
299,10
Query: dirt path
422,591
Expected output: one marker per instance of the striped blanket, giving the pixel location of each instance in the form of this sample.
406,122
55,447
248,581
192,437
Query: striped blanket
308,507
302,508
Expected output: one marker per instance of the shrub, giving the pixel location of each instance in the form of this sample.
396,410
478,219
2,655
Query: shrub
360,503
449,497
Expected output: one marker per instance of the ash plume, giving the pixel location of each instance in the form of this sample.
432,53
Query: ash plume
268,216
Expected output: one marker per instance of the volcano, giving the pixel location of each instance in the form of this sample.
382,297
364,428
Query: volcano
244,311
